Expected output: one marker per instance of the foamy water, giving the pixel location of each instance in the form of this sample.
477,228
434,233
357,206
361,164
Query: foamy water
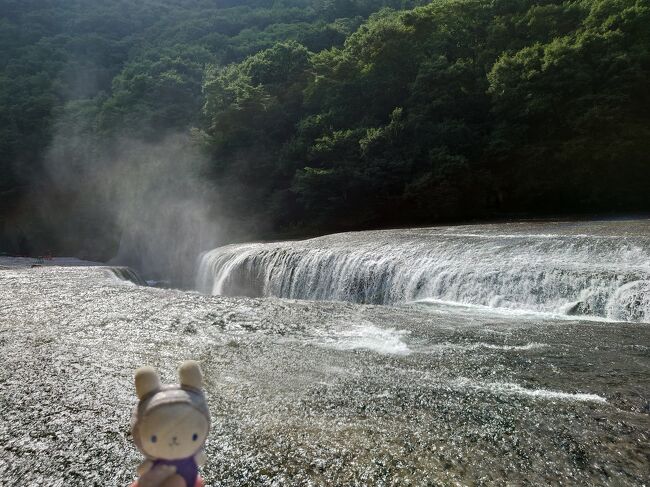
367,337
480,345
501,388
604,275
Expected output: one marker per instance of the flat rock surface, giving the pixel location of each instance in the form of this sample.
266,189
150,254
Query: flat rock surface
317,393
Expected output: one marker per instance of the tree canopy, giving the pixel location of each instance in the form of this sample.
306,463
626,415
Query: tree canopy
456,109
318,116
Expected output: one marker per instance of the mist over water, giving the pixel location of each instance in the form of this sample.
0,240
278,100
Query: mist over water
137,203
570,270
165,211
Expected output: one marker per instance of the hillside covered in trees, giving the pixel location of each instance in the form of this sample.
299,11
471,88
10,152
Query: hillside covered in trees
315,116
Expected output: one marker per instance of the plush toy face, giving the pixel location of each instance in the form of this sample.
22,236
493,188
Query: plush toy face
170,422
173,431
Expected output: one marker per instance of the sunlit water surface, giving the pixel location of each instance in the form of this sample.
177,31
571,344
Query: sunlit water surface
594,269
449,392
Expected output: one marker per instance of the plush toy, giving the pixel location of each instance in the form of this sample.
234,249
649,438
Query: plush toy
170,424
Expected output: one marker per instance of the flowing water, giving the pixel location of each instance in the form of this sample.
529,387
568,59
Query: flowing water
465,379
600,270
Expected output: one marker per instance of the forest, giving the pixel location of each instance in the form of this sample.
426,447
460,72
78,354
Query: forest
319,116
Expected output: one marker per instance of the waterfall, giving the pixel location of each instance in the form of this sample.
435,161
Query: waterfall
597,275
126,274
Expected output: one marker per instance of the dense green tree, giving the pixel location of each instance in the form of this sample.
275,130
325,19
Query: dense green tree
460,109
158,92
572,114
329,115
136,68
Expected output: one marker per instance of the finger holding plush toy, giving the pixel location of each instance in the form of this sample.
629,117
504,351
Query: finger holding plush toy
169,426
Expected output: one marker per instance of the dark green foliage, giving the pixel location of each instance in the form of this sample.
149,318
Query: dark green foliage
338,114
106,69
456,109
572,114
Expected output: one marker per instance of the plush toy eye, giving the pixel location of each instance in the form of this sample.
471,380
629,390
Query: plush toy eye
154,439
195,437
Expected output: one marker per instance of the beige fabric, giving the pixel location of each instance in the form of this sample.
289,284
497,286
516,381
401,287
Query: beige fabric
169,394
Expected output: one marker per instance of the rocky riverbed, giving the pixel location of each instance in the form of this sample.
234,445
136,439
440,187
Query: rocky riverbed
317,393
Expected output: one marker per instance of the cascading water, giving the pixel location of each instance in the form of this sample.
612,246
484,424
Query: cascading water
526,267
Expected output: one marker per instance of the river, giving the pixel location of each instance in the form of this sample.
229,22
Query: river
474,355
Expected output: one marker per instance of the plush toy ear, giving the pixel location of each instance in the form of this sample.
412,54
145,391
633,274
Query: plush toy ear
189,374
146,381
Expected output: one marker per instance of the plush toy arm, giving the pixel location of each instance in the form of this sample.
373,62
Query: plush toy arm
144,467
200,458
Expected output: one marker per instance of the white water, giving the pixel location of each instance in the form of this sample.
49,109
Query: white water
510,388
603,274
388,341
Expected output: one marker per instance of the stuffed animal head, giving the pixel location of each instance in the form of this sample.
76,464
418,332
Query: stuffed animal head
171,421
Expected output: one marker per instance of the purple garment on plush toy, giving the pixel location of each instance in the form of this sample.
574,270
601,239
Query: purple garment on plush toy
185,467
